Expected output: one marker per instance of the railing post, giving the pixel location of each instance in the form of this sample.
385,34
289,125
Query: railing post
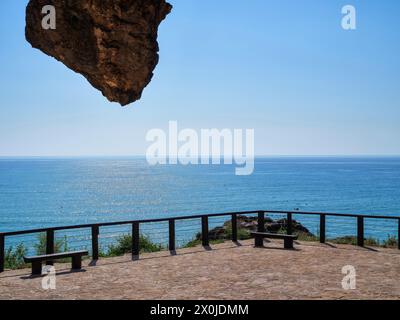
49,245
95,242
261,222
360,231
135,239
289,224
398,236
171,245
2,253
234,228
322,223
204,231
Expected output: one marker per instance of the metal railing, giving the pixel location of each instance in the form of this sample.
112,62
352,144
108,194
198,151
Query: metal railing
136,227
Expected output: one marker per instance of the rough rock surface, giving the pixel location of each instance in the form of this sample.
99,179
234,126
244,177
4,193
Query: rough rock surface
246,224
112,43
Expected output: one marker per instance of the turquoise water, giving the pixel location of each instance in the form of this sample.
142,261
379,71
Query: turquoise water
42,192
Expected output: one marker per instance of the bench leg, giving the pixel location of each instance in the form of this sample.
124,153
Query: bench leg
288,243
259,242
36,268
76,262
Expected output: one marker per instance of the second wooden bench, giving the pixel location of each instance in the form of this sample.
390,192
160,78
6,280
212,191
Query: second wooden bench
260,236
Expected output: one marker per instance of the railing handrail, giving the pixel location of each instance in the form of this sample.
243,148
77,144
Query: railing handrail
204,229
198,216
108,224
351,215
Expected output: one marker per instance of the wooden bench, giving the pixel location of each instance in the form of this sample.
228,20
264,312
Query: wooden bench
259,238
37,260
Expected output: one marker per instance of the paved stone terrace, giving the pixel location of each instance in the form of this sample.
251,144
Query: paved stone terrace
225,271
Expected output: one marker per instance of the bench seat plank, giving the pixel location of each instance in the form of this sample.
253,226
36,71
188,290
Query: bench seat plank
56,256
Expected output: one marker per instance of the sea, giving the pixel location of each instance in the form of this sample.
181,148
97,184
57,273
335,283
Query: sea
45,192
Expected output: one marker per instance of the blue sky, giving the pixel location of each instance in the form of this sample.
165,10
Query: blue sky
285,68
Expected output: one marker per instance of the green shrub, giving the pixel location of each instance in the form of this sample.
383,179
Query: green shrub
124,245
60,245
196,242
192,243
242,234
302,236
14,259
390,242
372,242
344,240
353,241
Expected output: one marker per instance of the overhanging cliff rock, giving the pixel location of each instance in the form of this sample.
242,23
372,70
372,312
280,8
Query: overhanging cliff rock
113,44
